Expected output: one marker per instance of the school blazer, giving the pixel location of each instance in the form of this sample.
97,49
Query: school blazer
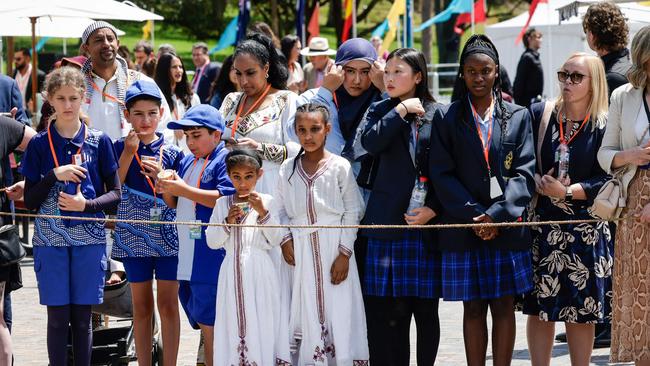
460,179
387,137
624,107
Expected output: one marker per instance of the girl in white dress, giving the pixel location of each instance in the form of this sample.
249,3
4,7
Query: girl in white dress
248,327
260,117
328,322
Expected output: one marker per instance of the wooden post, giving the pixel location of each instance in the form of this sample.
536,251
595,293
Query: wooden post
10,56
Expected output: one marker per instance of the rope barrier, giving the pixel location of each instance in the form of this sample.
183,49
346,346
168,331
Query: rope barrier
375,227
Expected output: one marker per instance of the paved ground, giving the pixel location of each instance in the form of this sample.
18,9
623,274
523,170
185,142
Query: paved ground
30,324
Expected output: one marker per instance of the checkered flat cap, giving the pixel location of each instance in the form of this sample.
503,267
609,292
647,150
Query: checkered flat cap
95,26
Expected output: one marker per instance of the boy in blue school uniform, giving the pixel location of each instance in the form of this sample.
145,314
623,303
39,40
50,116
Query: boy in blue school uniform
193,190
145,249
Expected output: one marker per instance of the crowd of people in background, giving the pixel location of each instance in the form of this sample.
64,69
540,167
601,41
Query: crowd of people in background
261,139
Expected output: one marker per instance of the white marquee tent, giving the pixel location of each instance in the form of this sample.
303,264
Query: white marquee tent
560,40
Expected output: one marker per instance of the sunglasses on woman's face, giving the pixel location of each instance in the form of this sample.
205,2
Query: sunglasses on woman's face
575,77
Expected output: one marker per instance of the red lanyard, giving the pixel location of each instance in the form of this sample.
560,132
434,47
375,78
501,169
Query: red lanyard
198,181
336,102
562,140
153,187
485,145
49,138
104,94
259,100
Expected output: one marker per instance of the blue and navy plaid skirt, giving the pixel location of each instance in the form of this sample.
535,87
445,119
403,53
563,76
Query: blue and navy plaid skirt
485,274
405,267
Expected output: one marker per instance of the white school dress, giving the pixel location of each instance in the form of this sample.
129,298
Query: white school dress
271,125
327,322
249,330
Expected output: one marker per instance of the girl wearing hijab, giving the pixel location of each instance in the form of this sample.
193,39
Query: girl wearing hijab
349,87
481,166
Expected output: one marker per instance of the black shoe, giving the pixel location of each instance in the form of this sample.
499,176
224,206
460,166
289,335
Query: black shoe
560,338
604,339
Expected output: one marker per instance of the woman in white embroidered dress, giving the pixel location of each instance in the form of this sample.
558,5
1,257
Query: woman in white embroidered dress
328,322
261,116
249,330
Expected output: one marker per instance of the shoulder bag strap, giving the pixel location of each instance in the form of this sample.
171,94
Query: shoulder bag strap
543,125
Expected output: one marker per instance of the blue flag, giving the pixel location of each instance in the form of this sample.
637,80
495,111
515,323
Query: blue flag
381,29
300,19
41,43
243,19
456,7
228,37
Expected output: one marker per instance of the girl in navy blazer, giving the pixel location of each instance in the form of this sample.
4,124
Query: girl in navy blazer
482,162
402,269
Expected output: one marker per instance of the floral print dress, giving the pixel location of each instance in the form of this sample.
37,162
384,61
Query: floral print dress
572,262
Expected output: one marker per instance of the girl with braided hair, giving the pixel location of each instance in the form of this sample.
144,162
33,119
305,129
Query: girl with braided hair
481,165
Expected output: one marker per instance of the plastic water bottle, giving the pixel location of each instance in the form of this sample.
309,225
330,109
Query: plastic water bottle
418,195
563,161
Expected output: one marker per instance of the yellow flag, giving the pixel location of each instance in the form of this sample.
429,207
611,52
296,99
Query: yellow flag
645,3
398,8
146,29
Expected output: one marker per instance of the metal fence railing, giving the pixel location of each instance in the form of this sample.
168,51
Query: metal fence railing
441,80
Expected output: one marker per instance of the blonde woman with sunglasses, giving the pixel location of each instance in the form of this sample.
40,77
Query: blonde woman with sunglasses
571,262
627,146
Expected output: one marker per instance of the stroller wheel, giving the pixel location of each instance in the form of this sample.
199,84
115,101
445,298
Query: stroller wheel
157,352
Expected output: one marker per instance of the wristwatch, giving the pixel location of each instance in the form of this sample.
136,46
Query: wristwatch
569,194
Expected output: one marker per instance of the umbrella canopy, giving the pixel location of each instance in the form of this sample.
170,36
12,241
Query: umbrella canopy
54,27
96,9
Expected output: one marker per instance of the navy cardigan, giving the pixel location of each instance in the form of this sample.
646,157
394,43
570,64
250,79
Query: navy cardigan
460,175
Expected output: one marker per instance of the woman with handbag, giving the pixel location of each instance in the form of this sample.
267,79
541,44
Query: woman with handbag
625,152
572,262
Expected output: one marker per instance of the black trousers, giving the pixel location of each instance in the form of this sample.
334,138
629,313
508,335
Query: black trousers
389,322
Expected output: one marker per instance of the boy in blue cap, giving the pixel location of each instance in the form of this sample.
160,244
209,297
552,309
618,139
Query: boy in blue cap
145,248
193,190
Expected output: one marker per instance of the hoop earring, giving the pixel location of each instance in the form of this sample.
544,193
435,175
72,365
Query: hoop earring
267,75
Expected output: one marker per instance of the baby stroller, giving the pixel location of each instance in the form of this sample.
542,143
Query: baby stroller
115,345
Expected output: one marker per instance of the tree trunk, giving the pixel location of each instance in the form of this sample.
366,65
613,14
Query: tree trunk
274,17
426,34
337,12
364,14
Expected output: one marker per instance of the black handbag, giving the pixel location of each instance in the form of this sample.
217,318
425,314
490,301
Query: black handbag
11,249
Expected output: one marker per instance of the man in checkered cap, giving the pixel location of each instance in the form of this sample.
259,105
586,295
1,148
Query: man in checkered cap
107,78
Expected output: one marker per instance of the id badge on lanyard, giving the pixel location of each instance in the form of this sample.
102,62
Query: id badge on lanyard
155,214
195,230
495,188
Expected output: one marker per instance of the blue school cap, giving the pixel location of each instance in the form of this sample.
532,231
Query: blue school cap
142,88
202,115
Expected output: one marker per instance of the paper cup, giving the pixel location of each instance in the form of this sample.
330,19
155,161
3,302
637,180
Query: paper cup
166,174
244,206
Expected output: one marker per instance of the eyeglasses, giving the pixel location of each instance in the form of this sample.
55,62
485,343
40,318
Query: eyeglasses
575,77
